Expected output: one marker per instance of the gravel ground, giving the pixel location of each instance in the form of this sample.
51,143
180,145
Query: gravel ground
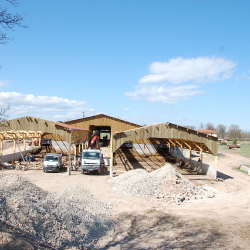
165,183
71,217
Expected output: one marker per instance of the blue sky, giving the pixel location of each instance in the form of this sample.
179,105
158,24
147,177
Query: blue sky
184,62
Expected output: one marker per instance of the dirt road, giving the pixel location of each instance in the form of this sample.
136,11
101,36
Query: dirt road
222,222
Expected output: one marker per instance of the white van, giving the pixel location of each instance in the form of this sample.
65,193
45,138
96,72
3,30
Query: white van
52,162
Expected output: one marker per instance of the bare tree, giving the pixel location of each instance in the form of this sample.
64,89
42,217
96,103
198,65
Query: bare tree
191,127
201,126
210,126
234,131
3,112
245,135
9,21
221,129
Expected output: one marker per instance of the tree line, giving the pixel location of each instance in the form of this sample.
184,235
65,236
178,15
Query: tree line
232,132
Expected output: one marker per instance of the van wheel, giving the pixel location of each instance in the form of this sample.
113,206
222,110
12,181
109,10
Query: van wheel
82,172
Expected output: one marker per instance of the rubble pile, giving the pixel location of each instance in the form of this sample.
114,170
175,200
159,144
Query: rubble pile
71,217
176,189
166,183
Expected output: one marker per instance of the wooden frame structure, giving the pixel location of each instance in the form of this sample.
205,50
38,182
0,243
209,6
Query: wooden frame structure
30,127
166,133
102,120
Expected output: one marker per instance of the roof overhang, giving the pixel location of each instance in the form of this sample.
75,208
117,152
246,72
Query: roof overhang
168,133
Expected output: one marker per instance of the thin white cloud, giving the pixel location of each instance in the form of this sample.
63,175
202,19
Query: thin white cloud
4,83
165,94
49,107
126,109
180,70
160,84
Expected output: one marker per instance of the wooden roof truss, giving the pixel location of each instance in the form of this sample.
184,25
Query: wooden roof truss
168,133
16,135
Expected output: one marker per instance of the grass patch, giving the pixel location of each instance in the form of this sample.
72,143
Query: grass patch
242,171
245,150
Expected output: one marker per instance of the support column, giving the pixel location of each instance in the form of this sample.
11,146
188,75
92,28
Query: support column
169,148
202,156
40,141
174,150
190,154
1,147
24,145
181,151
79,148
14,146
75,153
111,156
69,165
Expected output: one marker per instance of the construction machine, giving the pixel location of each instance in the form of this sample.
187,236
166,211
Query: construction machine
95,140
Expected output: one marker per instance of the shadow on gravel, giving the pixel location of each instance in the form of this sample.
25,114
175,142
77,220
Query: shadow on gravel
160,231
14,238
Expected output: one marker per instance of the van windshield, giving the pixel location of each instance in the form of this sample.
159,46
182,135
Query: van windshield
51,158
91,155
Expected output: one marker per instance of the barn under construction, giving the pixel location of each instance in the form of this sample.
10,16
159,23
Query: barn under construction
113,133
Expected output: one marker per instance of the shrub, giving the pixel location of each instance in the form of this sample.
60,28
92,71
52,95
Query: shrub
234,141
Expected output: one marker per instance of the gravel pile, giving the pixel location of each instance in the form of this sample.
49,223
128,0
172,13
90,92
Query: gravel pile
96,207
165,183
71,217
17,183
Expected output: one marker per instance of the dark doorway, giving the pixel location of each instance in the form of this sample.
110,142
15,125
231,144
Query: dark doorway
104,132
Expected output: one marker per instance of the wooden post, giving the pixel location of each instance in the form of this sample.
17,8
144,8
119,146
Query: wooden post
216,158
40,141
69,165
201,155
111,156
79,148
14,146
75,153
181,150
169,148
190,154
24,141
174,150
1,147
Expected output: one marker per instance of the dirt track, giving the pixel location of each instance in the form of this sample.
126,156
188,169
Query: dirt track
222,222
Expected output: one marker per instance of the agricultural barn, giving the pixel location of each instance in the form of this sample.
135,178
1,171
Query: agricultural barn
113,133
106,125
